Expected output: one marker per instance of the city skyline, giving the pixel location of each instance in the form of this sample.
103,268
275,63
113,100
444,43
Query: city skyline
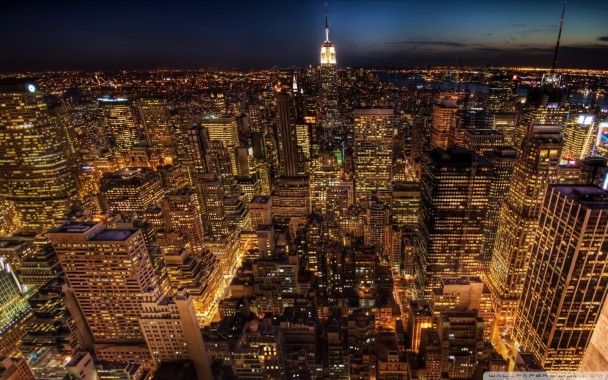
295,217
255,35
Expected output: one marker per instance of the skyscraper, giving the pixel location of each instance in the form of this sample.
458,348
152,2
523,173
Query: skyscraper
503,158
579,136
120,128
180,212
373,153
482,140
111,275
455,188
287,136
14,309
536,167
224,128
291,198
445,122
131,190
211,196
36,185
156,121
328,73
376,222
198,139
564,289
110,272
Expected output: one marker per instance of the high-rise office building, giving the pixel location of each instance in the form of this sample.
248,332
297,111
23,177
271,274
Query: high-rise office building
594,170
172,332
324,172
199,274
112,278
455,189
579,136
505,123
445,122
501,97
564,289
120,128
481,141
211,197
14,309
173,177
110,273
405,203
37,187
503,158
198,145
303,137
535,168
131,190
537,114
260,211
224,128
376,222
373,153
156,121
179,209
52,335
291,198
287,136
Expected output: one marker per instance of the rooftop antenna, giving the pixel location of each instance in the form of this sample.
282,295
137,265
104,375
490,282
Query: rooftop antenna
327,26
561,23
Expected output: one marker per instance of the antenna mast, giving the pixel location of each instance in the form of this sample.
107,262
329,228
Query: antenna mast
559,36
327,26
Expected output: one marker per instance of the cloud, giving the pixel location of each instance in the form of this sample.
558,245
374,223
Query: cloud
519,25
603,38
426,43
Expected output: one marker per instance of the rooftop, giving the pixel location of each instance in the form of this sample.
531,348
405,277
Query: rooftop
589,196
260,199
464,280
113,235
129,172
483,132
374,111
456,157
74,227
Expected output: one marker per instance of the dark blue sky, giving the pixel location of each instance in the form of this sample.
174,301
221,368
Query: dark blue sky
111,35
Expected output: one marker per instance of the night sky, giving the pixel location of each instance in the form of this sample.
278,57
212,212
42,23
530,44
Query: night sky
112,35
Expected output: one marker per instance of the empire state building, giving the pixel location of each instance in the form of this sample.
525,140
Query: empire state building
329,117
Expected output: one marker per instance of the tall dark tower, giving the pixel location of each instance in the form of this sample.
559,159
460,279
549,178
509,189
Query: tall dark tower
455,189
286,135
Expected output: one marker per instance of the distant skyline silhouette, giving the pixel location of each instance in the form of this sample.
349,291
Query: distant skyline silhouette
126,35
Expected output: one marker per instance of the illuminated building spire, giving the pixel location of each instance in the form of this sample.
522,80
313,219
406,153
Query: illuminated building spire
328,52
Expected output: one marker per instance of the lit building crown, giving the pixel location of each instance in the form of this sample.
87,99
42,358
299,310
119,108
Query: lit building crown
328,52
